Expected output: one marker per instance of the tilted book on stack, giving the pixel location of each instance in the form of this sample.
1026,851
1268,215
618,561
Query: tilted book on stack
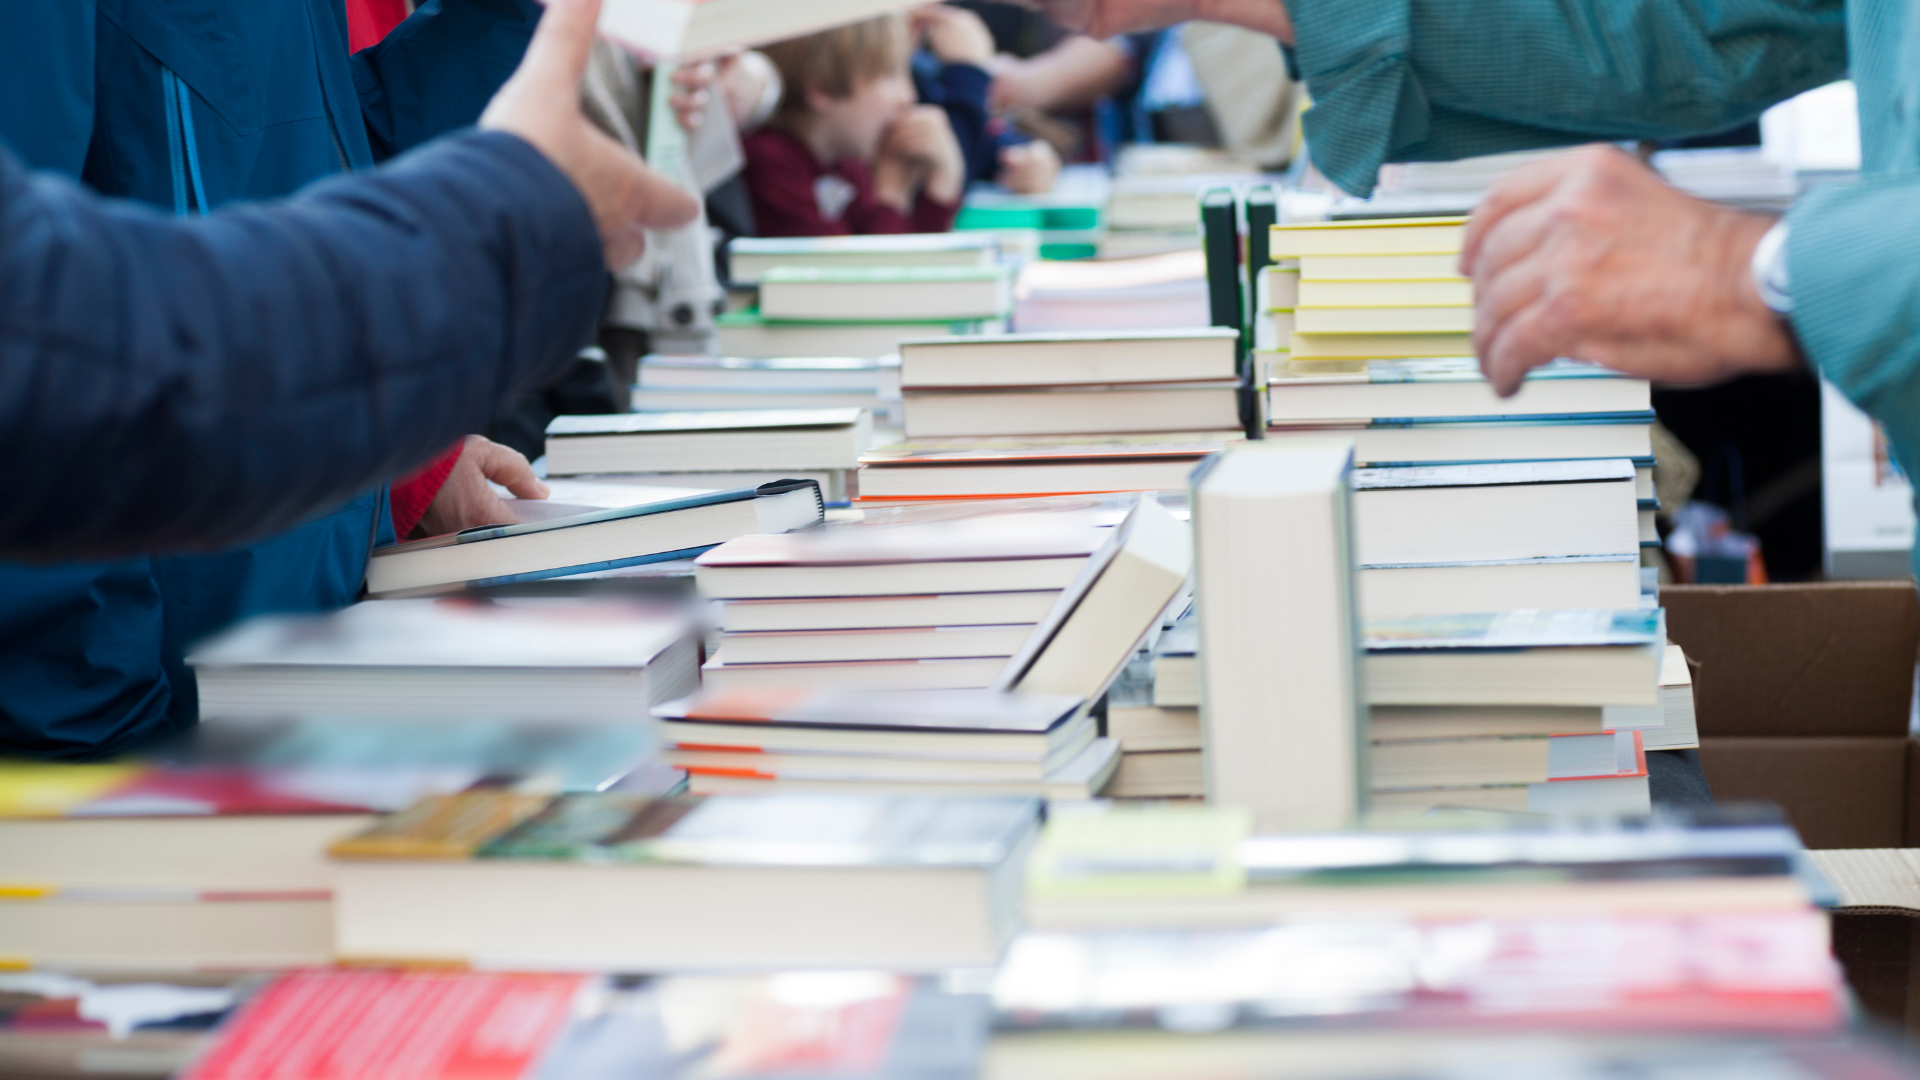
610,882
659,531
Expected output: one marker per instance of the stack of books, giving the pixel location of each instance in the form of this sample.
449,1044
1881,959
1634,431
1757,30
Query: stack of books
1071,384
1154,213
1153,712
735,384
857,296
1024,415
708,449
936,605
1560,670
1363,290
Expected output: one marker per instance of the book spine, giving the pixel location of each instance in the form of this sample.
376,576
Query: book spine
1226,304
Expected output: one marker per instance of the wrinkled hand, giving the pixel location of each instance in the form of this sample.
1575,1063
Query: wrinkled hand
1105,18
955,35
1591,255
541,104
466,502
1029,168
923,139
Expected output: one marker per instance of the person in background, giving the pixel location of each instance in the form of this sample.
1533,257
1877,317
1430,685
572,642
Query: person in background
953,69
191,105
847,150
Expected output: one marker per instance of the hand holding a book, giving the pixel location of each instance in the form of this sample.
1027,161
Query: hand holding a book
466,501
1592,255
541,104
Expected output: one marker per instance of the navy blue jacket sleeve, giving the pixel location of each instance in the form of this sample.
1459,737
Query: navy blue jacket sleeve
172,384
437,70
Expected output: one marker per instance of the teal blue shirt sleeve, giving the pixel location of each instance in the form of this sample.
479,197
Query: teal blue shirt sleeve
1433,80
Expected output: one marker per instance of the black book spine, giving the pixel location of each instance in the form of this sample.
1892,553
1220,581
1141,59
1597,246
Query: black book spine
1226,301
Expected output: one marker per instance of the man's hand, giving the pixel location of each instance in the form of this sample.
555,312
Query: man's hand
1105,18
541,104
466,502
1591,255
955,35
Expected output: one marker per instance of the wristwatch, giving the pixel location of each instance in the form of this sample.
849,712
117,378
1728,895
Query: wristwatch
1769,269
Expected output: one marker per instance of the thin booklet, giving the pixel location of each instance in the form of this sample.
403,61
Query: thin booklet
677,528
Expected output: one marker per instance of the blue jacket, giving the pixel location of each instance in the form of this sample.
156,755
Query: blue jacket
189,105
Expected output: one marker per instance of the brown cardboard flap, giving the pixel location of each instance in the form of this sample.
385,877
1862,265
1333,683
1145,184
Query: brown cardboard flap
1877,880
1839,793
1832,659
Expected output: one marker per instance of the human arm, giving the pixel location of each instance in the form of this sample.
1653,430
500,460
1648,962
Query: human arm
1072,75
1407,80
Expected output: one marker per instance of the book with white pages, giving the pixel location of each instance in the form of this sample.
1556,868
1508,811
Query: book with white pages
1449,388
1385,236
1074,410
1480,441
658,531
750,257
953,468
975,725
1082,777
1510,759
1409,723
1422,515
1383,320
441,659
664,30
828,765
708,441
890,643
772,374
872,612
886,293
1575,658
966,673
744,333
1070,358
1546,584
1670,725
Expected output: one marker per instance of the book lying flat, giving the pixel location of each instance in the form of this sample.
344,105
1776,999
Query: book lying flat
1394,723
869,612
967,673
1671,725
1083,776
992,553
604,882
707,441
750,257
1159,774
1385,346
1142,728
1434,267
1469,442
1386,236
1369,294
898,768
1062,359
1517,658
886,294
1450,388
977,724
651,532
1523,759
470,660
745,333
663,30
1417,516
939,477
814,374
1126,407
1556,584
1383,320
902,643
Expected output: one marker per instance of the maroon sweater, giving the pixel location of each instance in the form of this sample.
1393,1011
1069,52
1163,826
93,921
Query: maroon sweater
794,195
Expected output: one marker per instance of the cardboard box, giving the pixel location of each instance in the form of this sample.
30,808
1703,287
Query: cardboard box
1803,694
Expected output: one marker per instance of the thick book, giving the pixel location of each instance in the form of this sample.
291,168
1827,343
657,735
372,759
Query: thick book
1402,765
441,659
871,612
749,258
1285,722
707,441
1548,584
1436,389
1432,267
603,540
665,30
1066,359
981,724
747,333
886,294
797,374
1378,346
1083,776
992,553
1074,410
1389,236
1424,515
1400,723
1426,319
1517,658
1314,293
1384,443
975,468
1101,618
605,882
